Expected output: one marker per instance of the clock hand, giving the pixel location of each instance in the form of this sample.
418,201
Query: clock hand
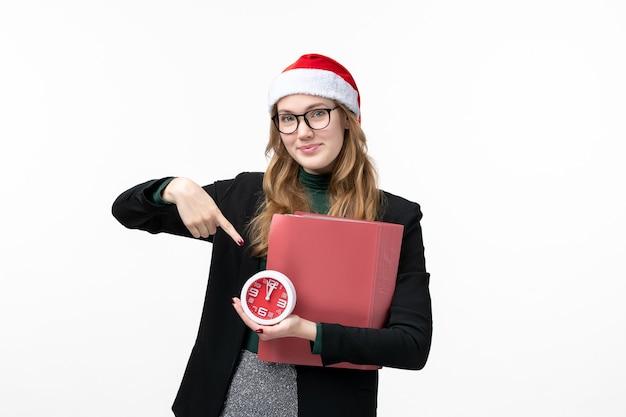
269,285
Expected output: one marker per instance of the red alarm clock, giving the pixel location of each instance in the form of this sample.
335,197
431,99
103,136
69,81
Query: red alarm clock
268,297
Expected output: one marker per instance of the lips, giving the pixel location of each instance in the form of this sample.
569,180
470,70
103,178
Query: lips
309,148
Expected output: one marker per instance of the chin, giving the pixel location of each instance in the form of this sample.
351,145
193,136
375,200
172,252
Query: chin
316,168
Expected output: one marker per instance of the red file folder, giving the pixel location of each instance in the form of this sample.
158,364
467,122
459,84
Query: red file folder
344,271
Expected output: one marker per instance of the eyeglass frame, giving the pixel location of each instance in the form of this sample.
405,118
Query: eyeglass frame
303,115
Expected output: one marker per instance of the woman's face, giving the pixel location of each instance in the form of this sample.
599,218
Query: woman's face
315,150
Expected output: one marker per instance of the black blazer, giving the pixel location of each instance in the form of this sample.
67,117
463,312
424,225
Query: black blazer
322,391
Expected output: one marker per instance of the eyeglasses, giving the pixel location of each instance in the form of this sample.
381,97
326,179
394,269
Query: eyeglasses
316,119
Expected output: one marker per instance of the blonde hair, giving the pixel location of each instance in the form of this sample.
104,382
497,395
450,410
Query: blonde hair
353,190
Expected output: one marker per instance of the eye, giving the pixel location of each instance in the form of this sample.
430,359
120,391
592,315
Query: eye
316,114
286,118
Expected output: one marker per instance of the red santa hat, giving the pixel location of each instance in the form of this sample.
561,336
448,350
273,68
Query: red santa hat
317,75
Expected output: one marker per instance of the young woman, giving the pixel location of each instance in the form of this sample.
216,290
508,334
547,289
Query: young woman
319,163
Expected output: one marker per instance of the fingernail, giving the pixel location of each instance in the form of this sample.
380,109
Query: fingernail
258,331
240,242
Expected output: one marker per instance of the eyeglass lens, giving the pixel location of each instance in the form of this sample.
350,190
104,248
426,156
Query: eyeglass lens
316,119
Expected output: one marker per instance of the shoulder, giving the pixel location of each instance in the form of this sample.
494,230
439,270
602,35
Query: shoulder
248,178
245,187
397,209
238,196
244,181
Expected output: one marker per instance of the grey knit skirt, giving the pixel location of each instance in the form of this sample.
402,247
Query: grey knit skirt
262,389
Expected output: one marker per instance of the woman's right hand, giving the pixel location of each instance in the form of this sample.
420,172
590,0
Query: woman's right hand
197,209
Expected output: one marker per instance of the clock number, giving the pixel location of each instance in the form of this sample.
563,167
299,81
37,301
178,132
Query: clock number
282,303
253,292
262,312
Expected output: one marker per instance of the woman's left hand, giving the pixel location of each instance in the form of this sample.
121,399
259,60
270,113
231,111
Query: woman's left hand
292,326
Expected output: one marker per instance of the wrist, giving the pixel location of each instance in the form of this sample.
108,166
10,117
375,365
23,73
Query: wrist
172,189
157,195
307,329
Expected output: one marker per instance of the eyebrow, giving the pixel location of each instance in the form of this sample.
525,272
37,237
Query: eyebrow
313,106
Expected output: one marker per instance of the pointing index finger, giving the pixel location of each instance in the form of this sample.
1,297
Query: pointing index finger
230,229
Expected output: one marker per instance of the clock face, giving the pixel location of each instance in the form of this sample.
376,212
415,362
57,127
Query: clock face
268,297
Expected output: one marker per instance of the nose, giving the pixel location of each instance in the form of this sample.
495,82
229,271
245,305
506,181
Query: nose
304,131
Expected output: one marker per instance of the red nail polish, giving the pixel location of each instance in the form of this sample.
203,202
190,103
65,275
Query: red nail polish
240,242
258,331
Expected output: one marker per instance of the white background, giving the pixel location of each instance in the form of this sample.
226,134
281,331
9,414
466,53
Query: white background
503,119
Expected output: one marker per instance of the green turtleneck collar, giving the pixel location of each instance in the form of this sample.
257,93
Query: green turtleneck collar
316,187
313,181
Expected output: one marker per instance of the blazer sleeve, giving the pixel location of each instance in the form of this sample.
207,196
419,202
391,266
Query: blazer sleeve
405,341
135,208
